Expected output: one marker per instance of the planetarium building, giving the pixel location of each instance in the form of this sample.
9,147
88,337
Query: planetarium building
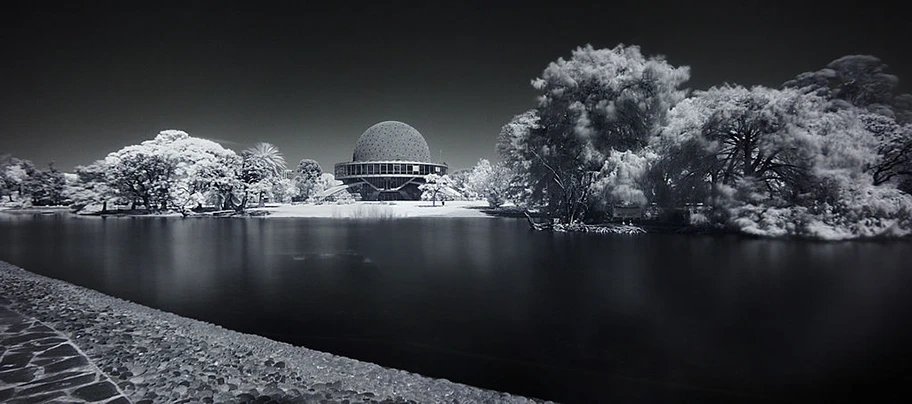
389,163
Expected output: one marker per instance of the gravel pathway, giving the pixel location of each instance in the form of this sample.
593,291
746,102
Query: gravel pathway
154,356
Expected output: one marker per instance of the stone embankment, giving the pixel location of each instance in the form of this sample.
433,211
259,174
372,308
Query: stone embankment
78,345
40,364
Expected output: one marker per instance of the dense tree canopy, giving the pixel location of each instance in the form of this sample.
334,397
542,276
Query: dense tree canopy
13,176
262,167
435,187
490,181
173,170
91,186
308,179
894,147
598,102
858,79
828,155
178,172
730,133
46,187
266,157
861,83
24,184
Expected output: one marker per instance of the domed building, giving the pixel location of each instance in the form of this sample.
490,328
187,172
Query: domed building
390,161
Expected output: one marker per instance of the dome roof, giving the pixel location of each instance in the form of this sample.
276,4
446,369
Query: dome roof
391,140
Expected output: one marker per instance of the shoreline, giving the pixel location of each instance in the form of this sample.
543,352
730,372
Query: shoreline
353,210
155,355
393,210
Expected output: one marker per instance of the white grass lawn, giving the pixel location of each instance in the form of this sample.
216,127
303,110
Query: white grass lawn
380,210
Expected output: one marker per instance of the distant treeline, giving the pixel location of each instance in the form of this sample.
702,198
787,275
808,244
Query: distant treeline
173,171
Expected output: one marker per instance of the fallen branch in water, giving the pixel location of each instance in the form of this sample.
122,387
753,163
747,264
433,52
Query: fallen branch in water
585,228
600,228
537,226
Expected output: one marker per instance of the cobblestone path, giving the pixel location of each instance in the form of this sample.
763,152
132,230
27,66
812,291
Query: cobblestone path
39,364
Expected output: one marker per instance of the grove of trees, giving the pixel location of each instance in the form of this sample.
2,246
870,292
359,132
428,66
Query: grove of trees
22,180
174,172
827,155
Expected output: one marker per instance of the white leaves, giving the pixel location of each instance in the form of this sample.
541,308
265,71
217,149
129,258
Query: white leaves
620,177
16,173
436,187
308,179
611,92
173,169
790,162
893,145
490,181
597,102
777,161
266,156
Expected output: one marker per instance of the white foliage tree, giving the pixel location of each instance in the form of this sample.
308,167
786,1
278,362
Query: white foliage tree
203,167
435,187
782,162
597,101
461,184
894,148
138,174
859,81
491,182
173,170
90,186
308,179
733,136
262,165
621,178
14,174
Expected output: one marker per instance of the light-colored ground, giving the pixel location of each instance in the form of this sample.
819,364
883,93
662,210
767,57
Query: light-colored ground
383,210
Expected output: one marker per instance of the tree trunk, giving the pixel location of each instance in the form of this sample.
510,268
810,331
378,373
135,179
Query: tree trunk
225,201
748,167
538,226
239,208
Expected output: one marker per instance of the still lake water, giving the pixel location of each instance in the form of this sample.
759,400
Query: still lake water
487,302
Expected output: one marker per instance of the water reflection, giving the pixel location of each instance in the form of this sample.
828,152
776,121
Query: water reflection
490,303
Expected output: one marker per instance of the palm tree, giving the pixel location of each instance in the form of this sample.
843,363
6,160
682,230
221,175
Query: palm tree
267,158
267,155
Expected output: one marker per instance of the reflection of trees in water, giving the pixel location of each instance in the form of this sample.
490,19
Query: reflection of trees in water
710,312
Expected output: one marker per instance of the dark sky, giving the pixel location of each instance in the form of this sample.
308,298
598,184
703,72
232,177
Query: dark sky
78,81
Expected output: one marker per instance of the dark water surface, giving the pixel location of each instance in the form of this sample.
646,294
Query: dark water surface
575,318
